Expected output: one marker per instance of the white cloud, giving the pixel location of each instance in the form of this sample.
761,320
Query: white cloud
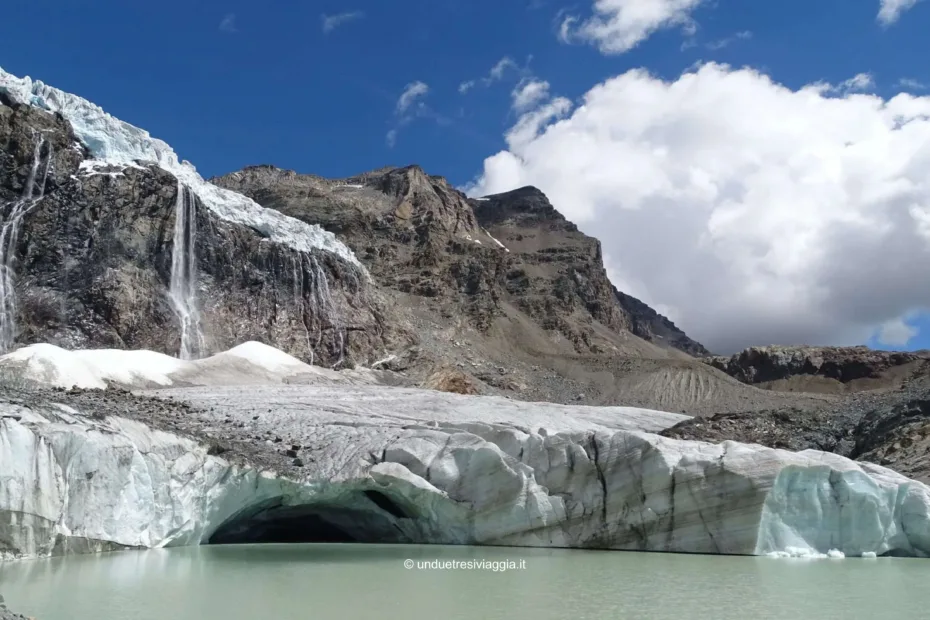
228,24
861,82
719,44
528,93
496,74
890,11
331,22
760,214
409,106
618,26
411,93
911,84
896,333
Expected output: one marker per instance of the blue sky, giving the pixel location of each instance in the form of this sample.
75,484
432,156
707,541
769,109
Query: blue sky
233,83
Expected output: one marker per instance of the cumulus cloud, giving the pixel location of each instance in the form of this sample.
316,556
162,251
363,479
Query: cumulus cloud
896,333
528,93
331,22
618,26
752,212
890,11
228,24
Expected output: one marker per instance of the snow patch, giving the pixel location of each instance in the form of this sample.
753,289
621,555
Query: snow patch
91,369
389,358
114,141
95,369
266,356
501,245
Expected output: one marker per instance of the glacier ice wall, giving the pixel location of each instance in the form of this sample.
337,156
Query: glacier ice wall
117,142
73,483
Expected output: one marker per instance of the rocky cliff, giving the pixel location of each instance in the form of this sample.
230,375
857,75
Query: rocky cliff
653,327
109,241
503,287
823,368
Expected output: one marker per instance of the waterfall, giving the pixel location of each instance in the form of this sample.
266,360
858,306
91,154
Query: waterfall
299,299
313,297
9,236
183,290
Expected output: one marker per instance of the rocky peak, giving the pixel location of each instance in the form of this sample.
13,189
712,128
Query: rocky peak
653,327
427,201
526,206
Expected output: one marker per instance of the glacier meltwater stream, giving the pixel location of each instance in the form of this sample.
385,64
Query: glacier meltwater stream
183,288
33,191
296,582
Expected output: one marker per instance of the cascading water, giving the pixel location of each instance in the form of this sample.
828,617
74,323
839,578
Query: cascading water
314,300
183,290
33,191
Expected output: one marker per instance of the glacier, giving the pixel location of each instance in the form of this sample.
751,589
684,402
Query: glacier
384,464
118,143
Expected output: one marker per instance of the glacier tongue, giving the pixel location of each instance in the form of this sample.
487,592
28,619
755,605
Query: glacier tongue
118,142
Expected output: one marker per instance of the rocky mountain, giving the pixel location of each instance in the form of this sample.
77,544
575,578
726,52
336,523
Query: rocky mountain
503,287
108,241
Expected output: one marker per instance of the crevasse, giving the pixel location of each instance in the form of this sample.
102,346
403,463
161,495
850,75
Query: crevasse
120,143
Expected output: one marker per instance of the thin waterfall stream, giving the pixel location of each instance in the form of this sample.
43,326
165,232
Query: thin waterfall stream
13,213
183,287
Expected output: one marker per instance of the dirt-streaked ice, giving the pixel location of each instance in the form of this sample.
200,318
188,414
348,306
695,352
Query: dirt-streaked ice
447,469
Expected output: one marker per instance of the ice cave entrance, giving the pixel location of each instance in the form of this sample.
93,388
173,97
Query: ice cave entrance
367,516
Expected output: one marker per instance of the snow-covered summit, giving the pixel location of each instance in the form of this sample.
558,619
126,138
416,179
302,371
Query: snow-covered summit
117,142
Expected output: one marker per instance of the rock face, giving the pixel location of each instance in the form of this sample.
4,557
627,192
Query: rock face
653,327
557,273
421,237
854,367
94,254
886,427
399,465
503,287
897,435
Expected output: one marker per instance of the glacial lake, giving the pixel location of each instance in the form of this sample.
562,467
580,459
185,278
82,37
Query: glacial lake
323,581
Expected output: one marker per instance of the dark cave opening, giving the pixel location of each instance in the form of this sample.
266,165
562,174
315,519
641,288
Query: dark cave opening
359,517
